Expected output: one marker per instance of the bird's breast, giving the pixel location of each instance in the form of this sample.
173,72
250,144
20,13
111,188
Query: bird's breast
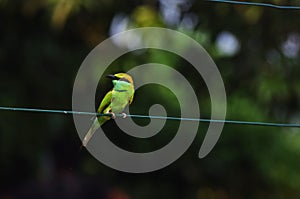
120,99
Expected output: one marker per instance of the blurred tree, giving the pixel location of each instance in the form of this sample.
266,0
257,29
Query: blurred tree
42,44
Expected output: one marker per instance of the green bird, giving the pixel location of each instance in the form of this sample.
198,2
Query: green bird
113,102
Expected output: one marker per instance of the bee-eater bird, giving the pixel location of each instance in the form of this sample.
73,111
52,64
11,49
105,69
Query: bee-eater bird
113,102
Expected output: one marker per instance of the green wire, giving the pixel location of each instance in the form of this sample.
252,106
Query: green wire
153,117
256,4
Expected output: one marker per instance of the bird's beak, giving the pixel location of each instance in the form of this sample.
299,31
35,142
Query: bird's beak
112,77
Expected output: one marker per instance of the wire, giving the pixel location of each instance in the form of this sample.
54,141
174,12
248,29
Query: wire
295,125
52,111
257,4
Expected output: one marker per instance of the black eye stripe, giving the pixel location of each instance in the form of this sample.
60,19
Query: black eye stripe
124,80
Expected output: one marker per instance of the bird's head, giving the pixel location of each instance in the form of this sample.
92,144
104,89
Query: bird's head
121,77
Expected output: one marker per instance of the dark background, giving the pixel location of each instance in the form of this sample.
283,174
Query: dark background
42,45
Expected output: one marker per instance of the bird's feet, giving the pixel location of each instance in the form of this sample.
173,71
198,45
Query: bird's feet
113,115
124,115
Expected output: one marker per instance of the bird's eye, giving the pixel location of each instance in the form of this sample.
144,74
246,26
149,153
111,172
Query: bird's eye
124,80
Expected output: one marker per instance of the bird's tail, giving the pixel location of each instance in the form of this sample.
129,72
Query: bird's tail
96,124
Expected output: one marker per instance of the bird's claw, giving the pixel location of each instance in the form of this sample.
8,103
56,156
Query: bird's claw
124,115
113,116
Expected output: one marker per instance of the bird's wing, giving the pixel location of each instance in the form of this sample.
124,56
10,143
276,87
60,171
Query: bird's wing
105,102
131,99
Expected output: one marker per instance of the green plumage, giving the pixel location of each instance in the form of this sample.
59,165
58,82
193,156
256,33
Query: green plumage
114,101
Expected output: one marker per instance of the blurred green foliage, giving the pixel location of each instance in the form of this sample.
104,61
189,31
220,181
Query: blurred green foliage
42,44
